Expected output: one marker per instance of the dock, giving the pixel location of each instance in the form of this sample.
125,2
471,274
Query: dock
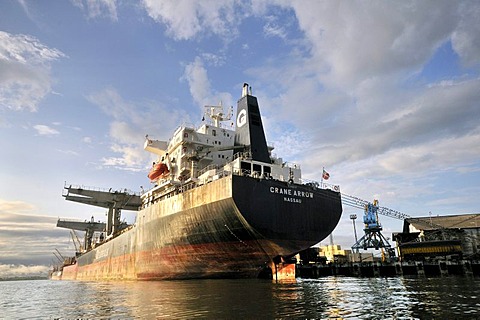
440,268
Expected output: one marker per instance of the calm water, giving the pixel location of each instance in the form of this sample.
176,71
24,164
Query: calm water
325,298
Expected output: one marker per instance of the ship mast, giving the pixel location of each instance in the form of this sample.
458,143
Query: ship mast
216,114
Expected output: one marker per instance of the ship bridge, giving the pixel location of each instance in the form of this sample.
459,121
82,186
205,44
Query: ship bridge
114,200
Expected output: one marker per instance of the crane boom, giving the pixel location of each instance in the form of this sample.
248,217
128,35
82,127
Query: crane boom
58,258
384,211
360,204
76,241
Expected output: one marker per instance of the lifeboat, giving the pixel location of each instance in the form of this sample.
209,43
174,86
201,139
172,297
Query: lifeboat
158,170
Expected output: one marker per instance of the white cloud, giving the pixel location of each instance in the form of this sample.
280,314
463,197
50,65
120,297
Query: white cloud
273,28
466,38
289,143
125,133
125,130
25,8
196,75
347,41
112,104
26,50
98,8
16,271
200,89
69,152
129,125
25,66
15,206
35,237
44,130
216,60
133,156
186,19
446,112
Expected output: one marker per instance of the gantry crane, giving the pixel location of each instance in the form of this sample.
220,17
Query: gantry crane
358,203
373,237
90,227
115,201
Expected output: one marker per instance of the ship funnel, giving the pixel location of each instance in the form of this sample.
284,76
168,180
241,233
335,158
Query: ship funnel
249,132
245,90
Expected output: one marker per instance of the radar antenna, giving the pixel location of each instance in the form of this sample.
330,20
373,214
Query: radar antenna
217,114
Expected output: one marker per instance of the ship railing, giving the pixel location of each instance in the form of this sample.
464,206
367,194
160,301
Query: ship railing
240,172
291,165
320,185
189,125
333,187
220,124
217,172
309,182
187,186
207,168
248,156
279,161
247,173
237,172
90,188
242,155
184,125
221,172
72,220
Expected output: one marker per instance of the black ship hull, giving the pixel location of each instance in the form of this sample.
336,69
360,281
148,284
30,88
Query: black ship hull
231,227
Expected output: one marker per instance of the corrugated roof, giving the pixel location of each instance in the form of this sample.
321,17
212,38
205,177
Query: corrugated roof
462,221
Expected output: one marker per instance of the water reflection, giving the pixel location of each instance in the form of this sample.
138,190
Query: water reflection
355,298
449,297
325,298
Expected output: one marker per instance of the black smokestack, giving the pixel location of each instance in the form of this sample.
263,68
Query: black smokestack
249,129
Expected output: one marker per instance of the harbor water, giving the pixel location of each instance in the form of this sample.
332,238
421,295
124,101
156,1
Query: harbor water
324,298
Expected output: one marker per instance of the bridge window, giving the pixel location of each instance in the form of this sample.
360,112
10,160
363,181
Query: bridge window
257,168
246,167
267,170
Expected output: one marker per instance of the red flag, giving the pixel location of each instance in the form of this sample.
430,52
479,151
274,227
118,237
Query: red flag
325,175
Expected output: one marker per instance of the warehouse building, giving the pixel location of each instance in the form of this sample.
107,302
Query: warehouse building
454,236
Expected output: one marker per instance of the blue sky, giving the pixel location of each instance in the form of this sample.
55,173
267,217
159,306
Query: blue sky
384,95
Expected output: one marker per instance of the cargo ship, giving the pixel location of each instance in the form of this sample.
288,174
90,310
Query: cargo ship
221,205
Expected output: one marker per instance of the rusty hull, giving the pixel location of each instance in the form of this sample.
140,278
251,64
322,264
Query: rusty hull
231,227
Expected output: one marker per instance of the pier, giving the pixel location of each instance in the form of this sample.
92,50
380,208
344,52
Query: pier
440,268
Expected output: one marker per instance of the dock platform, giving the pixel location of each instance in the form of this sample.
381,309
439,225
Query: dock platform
380,269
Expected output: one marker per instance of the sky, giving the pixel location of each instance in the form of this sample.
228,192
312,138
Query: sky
385,95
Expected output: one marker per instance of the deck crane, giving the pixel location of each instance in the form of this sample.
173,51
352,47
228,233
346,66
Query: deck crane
58,258
76,241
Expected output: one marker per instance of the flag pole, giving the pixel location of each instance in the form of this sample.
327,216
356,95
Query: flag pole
321,181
